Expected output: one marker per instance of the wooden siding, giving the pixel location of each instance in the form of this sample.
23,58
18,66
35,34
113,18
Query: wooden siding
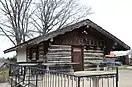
92,57
59,54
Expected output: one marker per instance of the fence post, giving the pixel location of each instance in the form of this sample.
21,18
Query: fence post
78,81
117,76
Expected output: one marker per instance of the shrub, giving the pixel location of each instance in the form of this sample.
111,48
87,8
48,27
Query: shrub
4,75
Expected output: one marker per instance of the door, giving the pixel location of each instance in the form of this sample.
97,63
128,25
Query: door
77,57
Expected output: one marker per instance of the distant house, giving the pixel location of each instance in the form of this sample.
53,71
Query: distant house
83,43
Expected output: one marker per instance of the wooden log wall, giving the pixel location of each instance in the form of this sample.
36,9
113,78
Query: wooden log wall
38,52
32,53
59,54
41,52
92,57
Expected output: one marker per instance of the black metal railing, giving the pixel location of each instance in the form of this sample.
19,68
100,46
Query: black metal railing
36,76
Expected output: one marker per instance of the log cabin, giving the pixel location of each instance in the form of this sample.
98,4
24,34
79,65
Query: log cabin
84,43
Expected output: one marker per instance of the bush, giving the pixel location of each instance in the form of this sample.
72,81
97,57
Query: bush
4,75
14,59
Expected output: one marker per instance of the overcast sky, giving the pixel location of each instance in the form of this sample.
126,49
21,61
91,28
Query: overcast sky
115,16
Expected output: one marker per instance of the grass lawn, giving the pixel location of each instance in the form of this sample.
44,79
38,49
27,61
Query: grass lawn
122,67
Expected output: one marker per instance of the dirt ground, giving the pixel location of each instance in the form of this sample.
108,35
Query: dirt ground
5,85
125,78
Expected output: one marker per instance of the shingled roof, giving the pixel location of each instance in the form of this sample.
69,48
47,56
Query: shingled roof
86,22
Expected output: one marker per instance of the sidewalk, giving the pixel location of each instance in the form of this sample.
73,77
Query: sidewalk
129,67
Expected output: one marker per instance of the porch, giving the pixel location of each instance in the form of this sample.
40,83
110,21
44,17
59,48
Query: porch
35,75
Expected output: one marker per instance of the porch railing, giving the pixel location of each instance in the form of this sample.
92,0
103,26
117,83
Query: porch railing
32,75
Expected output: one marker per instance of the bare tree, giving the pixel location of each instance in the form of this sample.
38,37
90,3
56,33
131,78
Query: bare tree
49,15
55,14
15,19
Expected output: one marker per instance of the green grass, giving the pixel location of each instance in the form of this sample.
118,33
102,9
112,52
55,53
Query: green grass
123,67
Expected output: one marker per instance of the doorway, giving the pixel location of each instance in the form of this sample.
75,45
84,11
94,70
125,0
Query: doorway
77,57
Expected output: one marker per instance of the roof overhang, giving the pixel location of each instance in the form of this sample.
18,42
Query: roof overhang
48,36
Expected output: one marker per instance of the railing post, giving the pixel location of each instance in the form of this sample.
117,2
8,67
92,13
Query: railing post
29,74
11,80
15,80
24,73
78,81
9,69
36,78
117,76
